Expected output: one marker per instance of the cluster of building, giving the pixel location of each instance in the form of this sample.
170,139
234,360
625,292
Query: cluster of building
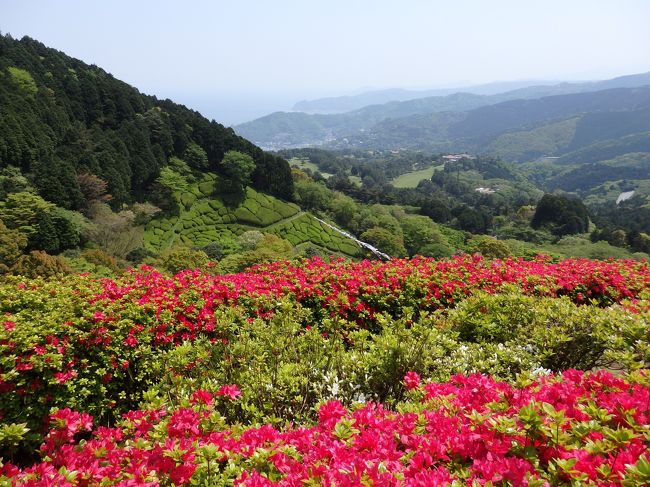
457,157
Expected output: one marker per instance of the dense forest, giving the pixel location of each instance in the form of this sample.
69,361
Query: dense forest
62,118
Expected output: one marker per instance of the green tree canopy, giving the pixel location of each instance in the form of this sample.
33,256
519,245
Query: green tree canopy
196,157
343,208
22,210
561,215
385,241
172,180
12,181
182,257
40,264
238,167
489,247
313,195
420,232
12,243
23,80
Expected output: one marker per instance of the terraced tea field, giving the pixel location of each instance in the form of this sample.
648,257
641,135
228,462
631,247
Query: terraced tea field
204,218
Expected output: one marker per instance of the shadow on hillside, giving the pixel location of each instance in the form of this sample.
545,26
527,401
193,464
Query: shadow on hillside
232,194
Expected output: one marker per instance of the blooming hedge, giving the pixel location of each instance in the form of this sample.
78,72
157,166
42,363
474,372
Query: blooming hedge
293,336
574,428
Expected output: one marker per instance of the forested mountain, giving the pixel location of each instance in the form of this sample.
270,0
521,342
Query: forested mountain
516,114
518,130
361,127
60,118
95,175
608,149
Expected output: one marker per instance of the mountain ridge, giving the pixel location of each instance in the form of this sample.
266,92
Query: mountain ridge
295,129
345,103
609,113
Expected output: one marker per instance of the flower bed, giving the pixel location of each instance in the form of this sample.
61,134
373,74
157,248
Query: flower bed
575,428
293,336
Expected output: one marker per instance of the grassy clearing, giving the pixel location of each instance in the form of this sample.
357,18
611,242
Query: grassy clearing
411,179
304,163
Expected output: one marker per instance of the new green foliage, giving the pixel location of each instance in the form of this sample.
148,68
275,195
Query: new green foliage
23,80
238,167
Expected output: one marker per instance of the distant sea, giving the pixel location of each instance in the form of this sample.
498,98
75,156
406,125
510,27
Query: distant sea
236,109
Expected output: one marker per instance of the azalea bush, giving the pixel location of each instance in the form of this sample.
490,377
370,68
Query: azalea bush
575,429
557,332
294,336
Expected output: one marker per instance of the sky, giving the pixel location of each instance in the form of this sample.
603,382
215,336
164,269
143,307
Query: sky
239,59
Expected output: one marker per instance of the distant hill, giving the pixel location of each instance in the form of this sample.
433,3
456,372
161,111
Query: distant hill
608,149
517,130
282,130
595,144
517,114
586,178
294,129
347,103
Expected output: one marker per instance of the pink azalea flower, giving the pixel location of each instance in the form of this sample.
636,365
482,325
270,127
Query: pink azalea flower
230,391
412,380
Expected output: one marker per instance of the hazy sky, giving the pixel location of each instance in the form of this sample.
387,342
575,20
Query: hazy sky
237,59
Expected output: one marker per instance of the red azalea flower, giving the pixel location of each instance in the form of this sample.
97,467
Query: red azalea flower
231,391
9,325
202,397
412,380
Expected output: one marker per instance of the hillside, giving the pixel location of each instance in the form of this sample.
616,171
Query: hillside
444,288
96,177
608,149
295,129
568,139
180,308
205,217
87,162
511,126
62,117
507,116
